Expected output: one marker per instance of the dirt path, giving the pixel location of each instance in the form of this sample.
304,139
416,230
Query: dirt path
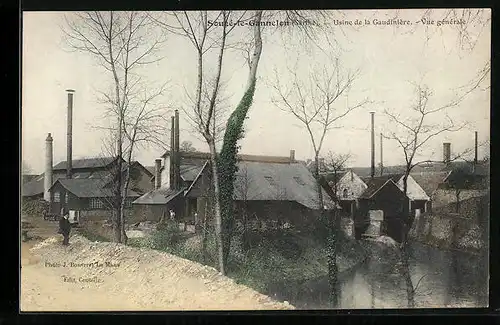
125,278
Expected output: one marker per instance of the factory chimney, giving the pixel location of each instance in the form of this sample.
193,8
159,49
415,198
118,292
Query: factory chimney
446,152
475,147
475,153
373,145
157,173
177,166
47,179
69,152
381,156
172,153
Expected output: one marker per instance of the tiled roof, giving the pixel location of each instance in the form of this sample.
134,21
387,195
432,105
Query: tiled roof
276,181
263,182
394,177
87,188
28,177
86,163
429,181
159,196
35,186
374,185
242,157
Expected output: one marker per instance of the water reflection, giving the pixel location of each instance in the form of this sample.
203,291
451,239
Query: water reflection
440,279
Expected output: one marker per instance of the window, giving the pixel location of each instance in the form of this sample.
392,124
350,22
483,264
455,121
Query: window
345,193
299,180
95,203
56,197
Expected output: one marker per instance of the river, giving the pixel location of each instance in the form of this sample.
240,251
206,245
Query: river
441,279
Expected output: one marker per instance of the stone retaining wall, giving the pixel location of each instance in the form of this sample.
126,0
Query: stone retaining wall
449,231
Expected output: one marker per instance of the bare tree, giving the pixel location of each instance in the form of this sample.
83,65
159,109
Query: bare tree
334,163
423,122
121,43
316,102
198,28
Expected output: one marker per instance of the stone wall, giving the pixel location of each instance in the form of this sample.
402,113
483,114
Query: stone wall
449,231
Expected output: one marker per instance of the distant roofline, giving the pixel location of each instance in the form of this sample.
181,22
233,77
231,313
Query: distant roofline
242,157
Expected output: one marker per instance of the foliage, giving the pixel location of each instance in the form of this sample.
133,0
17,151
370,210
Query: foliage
227,164
34,207
167,236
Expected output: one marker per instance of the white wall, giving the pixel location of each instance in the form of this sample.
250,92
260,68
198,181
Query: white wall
413,190
354,185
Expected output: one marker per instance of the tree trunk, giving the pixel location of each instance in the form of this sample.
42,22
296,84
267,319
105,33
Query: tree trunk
457,202
330,221
227,160
124,237
204,235
117,220
217,207
405,227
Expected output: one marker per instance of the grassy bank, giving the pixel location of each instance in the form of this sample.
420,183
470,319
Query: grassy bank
267,259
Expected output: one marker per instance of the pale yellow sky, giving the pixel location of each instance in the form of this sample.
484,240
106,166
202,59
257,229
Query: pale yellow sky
389,58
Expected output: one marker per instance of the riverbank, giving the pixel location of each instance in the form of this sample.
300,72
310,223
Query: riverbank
270,260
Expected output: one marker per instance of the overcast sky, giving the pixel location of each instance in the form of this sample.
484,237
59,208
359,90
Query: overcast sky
389,59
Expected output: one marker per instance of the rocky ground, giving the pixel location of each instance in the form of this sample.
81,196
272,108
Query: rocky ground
89,276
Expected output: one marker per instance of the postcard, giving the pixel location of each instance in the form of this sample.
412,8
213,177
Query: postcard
255,160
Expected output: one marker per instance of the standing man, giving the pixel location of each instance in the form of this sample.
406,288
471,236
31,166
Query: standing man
65,229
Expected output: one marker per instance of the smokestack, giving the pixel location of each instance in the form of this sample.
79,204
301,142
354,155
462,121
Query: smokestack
172,153
381,156
292,156
157,173
373,145
69,148
446,152
47,179
475,147
177,154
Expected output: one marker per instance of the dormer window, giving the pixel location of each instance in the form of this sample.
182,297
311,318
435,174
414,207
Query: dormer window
345,193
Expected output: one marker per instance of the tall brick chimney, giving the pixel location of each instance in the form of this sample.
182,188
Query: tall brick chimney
69,148
157,173
47,178
446,152
381,155
475,147
177,167
373,145
292,156
172,153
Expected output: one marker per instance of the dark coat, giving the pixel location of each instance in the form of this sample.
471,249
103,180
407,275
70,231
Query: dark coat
64,226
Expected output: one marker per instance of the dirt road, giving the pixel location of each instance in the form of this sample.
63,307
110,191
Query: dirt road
90,276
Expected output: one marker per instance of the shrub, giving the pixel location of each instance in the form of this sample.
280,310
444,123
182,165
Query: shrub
34,208
166,237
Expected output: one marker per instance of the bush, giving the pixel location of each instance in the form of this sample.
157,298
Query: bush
166,237
34,208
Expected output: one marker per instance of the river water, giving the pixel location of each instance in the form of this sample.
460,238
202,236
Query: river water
441,279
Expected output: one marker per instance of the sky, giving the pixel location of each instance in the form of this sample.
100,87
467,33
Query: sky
389,59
